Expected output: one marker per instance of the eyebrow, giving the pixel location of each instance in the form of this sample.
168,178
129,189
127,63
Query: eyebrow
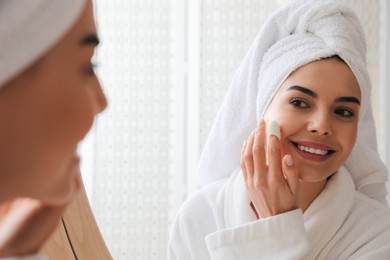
314,95
348,99
90,39
303,90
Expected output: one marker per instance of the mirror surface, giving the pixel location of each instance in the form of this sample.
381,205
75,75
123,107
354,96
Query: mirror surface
165,66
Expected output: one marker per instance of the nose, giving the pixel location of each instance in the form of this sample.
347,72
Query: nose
320,124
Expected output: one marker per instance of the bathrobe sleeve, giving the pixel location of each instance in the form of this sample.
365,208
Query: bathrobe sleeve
279,237
194,236
194,221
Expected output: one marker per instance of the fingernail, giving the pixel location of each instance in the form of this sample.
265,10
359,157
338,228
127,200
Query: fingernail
289,160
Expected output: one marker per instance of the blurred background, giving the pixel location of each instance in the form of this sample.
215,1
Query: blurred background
165,66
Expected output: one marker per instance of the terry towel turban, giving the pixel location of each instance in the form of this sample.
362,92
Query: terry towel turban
299,33
29,28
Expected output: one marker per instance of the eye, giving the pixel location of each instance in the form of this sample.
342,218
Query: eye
343,112
299,103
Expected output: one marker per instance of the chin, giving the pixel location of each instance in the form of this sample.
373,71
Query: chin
313,175
59,199
60,194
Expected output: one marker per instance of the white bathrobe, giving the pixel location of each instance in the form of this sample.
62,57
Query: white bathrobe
217,222
347,220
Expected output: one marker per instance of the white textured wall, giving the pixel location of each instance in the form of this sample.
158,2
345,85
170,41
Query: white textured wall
132,138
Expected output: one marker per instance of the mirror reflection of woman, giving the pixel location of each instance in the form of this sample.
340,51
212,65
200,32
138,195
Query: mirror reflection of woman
49,96
290,169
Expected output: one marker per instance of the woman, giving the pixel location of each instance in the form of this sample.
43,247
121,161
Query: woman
49,96
317,191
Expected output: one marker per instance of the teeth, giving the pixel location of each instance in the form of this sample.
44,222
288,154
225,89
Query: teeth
312,150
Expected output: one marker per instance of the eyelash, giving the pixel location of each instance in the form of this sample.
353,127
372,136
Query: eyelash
294,102
302,104
342,111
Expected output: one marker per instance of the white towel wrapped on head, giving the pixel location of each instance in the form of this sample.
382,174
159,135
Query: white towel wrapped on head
297,34
28,29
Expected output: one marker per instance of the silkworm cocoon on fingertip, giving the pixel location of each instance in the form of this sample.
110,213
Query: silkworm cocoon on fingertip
272,129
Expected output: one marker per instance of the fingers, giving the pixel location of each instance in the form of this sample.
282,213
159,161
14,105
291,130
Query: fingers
253,154
242,161
275,167
291,173
247,157
272,188
259,151
27,225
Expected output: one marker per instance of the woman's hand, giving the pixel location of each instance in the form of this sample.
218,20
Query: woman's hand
25,224
273,189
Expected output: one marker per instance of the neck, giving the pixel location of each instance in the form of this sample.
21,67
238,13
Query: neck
309,192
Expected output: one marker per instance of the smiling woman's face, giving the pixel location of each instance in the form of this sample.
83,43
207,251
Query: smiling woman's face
317,108
45,112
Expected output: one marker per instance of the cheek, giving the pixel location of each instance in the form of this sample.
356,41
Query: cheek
347,137
42,128
277,111
72,117
69,111
288,123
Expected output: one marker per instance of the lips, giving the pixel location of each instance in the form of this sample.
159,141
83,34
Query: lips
313,151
